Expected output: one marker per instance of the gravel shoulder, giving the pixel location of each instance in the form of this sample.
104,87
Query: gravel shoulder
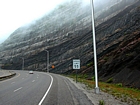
95,98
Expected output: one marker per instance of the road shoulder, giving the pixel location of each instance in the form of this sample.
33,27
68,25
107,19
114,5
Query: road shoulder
95,98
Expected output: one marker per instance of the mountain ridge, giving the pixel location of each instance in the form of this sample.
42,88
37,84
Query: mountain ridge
73,39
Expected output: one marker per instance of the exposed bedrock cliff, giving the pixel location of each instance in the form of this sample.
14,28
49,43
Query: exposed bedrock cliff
67,34
119,49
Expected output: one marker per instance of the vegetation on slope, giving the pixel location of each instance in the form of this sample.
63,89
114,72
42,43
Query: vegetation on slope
129,95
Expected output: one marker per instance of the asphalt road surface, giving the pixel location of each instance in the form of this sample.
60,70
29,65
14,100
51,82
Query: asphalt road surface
40,89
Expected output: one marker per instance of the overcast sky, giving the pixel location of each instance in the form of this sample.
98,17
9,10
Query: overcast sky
15,13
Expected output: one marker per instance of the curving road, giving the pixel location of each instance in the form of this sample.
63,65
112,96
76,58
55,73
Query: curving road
40,89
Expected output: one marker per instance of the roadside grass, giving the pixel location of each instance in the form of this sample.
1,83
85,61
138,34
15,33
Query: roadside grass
129,95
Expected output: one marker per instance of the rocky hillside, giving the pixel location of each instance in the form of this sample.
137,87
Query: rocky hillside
120,60
67,34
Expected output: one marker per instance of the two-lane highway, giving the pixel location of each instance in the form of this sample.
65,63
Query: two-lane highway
40,89
24,88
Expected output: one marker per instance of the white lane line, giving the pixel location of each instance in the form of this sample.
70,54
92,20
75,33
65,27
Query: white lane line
33,81
46,91
12,82
17,89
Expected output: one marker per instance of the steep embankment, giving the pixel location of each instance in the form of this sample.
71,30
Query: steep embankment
52,32
119,48
66,33
55,32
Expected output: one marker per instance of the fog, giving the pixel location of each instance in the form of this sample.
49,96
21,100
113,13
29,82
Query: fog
16,13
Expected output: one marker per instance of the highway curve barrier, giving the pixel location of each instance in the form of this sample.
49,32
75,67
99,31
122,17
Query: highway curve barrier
10,75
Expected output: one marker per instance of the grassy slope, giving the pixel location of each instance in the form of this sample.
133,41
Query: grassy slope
129,95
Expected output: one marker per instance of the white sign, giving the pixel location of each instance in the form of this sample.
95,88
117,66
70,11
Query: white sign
76,64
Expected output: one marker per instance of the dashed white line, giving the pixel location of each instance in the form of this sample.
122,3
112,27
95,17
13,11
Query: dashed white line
33,81
17,89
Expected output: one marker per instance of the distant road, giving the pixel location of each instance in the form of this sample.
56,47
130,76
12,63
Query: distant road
40,89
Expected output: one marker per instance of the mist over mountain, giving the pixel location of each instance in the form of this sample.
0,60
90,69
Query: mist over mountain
66,33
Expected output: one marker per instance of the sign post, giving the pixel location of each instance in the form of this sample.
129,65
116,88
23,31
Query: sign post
76,66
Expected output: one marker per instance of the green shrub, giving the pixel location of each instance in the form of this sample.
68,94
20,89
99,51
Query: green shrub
85,76
89,64
119,84
110,80
93,77
101,102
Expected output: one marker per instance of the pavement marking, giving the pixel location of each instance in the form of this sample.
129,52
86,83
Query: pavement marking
40,103
12,82
33,81
17,89
22,78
